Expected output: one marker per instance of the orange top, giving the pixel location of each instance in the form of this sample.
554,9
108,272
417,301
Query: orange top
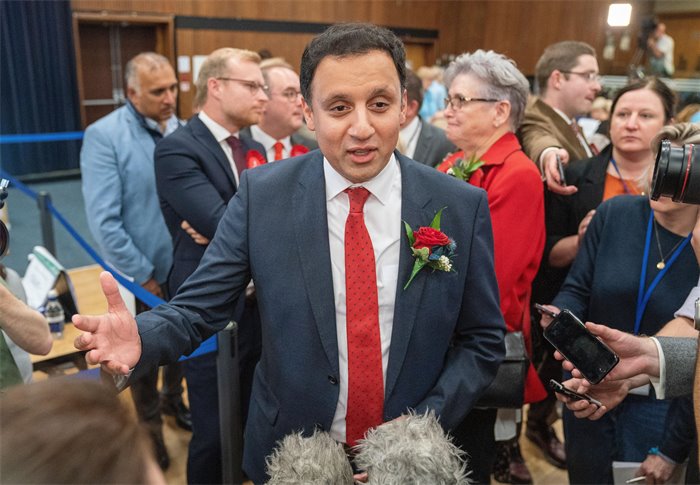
614,187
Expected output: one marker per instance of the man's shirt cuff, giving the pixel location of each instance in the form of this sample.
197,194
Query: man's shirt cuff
659,383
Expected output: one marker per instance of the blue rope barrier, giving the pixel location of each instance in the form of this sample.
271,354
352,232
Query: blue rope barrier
41,137
146,297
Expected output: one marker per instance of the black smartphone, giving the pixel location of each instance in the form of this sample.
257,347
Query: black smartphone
545,311
589,355
560,167
560,388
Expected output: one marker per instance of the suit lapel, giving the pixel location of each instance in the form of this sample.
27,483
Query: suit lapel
414,211
311,230
202,135
422,144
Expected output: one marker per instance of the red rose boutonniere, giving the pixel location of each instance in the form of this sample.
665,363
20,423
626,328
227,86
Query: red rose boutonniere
430,247
458,166
298,150
254,158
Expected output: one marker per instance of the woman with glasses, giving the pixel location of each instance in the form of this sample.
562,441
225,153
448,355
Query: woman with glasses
633,270
484,107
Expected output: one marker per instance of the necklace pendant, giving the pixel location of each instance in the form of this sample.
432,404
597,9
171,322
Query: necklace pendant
660,265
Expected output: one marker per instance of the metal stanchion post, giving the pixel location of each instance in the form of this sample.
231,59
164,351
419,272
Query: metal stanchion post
49,242
228,380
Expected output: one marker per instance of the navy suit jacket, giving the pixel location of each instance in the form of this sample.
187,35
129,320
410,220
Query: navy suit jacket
195,182
432,145
447,339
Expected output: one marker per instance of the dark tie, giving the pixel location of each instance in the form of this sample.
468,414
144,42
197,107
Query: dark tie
582,138
238,153
365,378
279,150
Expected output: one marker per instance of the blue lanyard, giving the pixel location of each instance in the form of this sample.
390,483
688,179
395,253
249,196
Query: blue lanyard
624,185
643,297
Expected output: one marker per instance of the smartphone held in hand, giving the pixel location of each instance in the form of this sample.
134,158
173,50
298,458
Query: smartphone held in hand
560,388
589,355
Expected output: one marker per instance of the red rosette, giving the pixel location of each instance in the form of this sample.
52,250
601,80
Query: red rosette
254,158
298,150
450,160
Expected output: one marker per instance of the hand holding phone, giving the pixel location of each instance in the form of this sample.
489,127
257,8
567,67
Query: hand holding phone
545,311
560,168
560,388
589,355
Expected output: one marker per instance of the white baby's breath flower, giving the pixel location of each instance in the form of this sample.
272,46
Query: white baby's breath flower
450,172
444,263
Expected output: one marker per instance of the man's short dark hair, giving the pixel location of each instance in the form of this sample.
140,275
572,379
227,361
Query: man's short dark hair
414,87
562,56
350,39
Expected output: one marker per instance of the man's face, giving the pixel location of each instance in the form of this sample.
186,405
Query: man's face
157,94
283,114
239,93
577,90
356,109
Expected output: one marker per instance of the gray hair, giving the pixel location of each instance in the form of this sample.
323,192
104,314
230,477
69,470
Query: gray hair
316,460
150,61
500,76
411,450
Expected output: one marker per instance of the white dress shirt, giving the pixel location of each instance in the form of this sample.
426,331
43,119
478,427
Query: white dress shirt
382,213
221,134
409,136
269,143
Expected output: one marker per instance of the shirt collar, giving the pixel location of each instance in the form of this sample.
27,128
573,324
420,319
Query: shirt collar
561,113
409,131
219,132
379,186
152,125
266,140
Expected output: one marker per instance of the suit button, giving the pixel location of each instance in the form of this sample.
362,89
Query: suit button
333,380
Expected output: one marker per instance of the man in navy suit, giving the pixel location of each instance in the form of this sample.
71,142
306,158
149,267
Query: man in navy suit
441,337
196,175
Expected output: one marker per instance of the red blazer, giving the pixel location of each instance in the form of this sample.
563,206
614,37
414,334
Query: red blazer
516,201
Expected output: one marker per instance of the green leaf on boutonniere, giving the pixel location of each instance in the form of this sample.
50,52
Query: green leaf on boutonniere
417,266
463,169
435,224
409,233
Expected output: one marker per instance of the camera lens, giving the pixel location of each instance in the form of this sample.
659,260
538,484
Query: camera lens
677,173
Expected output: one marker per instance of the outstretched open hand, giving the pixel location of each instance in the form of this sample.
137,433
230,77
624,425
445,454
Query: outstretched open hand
112,339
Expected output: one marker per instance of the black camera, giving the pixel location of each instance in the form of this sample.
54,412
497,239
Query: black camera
4,235
677,173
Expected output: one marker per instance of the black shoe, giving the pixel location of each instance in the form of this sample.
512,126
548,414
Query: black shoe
182,415
545,438
161,452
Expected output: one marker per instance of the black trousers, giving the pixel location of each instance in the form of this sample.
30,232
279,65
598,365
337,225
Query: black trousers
144,391
475,436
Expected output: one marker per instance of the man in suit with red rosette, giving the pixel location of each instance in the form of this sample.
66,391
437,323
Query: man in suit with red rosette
356,329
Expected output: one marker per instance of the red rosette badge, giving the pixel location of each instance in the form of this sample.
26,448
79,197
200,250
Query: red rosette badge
254,158
298,150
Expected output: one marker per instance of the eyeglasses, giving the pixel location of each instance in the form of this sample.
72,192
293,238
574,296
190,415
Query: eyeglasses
591,77
458,101
291,94
253,86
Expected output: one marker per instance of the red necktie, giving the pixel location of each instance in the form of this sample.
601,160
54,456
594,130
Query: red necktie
582,138
279,150
365,377
238,153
